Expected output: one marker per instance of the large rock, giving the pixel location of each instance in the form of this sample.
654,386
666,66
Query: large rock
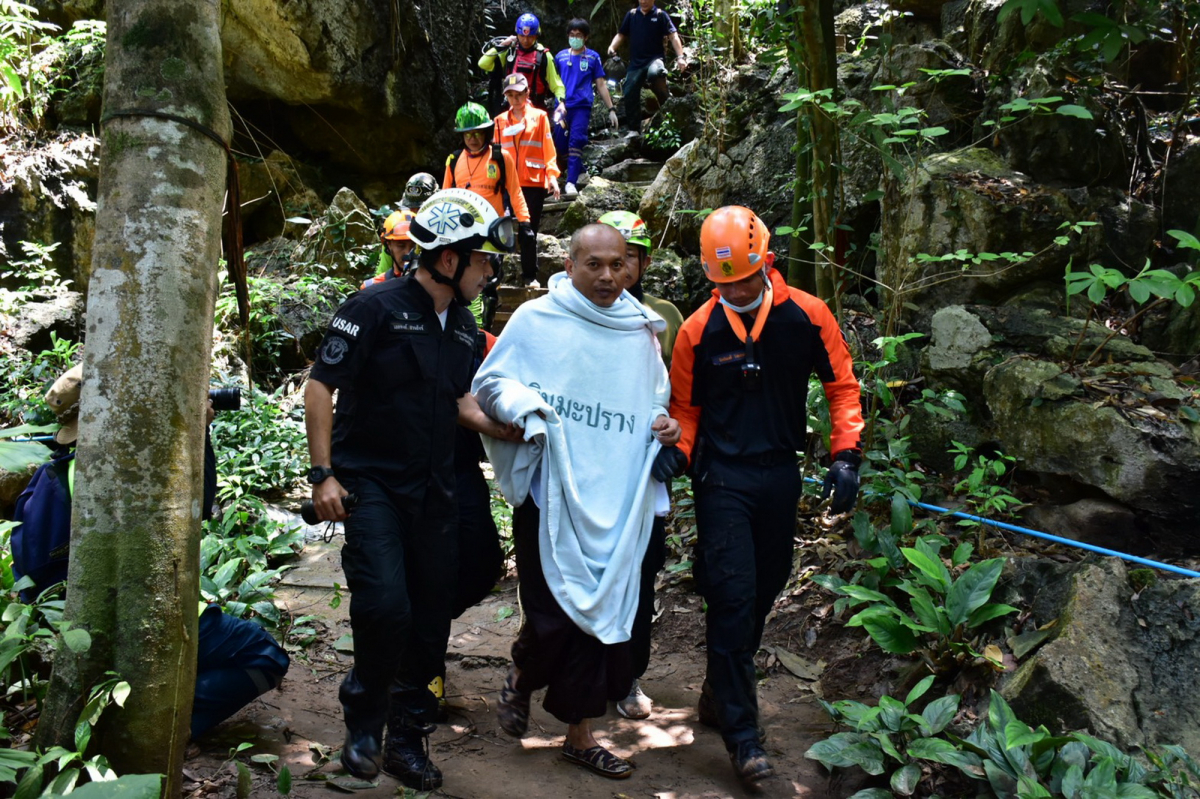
597,198
342,75
274,190
1181,186
38,322
1123,665
1118,430
970,201
343,242
752,168
46,197
1113,433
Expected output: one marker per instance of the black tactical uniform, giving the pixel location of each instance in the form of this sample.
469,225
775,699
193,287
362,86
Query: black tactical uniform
399,375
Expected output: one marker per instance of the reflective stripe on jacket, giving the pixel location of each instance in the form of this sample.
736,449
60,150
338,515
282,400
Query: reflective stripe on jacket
529,142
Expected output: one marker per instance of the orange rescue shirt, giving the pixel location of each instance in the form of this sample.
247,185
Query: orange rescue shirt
480,174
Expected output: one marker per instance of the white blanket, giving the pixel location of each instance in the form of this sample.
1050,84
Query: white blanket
596,377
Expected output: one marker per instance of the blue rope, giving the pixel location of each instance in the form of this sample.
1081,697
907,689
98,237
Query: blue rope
1048,537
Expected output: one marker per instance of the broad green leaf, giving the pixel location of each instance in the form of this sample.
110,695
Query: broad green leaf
873,793
962,553
1077,111
904,781
901,516
891,635
284,782
891,712
988,612
77,640
1029,788
1072,781
918,690
17,456
940,712
1018,733
972,589
864,594
120,693
830,751
930,567
1185,239
830,582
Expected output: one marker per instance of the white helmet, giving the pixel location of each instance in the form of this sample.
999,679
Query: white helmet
464,221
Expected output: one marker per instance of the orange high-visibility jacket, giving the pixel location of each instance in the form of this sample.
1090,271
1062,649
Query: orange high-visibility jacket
801,337
529,142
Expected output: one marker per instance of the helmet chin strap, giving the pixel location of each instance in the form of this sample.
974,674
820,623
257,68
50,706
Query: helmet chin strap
464,258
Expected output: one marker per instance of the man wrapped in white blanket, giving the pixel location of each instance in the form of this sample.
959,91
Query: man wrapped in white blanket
580,371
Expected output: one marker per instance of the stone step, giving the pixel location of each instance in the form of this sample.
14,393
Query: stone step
509,299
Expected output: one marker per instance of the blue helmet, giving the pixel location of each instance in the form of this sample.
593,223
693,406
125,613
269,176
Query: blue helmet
528,25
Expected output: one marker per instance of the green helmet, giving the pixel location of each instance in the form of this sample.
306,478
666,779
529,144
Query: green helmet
472,116
631,226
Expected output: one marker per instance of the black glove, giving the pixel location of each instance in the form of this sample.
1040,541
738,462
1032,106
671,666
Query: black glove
842,480
669,462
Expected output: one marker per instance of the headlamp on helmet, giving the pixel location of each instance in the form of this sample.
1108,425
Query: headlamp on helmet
418,189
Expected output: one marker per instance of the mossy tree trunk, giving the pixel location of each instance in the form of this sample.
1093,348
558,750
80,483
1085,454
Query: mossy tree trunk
815,63
134,581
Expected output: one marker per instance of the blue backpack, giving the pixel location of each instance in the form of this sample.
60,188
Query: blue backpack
41,544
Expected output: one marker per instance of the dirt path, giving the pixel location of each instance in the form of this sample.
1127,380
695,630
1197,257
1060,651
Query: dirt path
676,757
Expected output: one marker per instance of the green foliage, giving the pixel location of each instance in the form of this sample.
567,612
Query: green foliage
262,446
983,494
26,379
33,61
21,37
665,135
942,612
308,294
1012,759
1029,8
57,771
237,560
35,274
891,737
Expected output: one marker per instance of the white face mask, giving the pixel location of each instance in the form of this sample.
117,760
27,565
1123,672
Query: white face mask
742,308
575,42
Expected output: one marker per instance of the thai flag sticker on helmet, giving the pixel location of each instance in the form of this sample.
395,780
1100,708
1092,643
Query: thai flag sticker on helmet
724,252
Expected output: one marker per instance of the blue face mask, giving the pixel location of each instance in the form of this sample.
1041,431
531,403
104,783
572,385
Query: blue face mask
575,42
742,308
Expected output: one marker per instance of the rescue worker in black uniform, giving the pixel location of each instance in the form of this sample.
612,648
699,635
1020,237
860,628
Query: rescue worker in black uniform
402,350
739,387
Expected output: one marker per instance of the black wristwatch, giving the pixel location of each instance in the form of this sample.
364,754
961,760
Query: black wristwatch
319,474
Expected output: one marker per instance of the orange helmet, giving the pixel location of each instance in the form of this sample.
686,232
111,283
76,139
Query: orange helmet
395,227
733,244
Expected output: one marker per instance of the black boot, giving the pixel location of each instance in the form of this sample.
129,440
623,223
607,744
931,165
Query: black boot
750,763
360,754
406,754
364,729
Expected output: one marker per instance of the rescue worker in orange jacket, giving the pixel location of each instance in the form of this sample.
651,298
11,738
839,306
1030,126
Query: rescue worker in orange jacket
739,385
523,131
399,251
483,167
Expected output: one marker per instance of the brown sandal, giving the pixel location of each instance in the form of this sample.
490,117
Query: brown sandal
512,710
599,760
